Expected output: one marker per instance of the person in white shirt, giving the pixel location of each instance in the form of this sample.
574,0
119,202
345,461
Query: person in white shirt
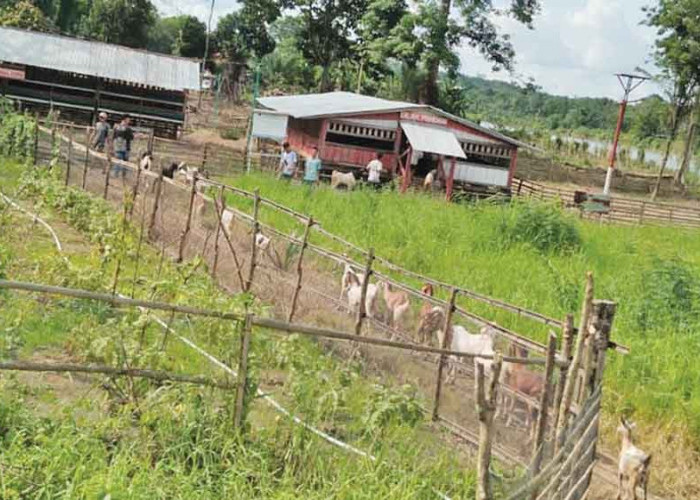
288,163
374,170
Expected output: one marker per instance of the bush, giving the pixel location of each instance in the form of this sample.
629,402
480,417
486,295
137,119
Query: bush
543,226
232,134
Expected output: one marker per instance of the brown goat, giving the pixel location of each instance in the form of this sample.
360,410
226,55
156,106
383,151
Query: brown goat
521,380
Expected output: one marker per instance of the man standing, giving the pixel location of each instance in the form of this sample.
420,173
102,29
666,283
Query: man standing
101,132
312,169
123,135
374,170
288,163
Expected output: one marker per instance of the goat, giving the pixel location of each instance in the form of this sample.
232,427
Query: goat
170,170
340,179
397,303
634,465
262,241
520,379
355,295
425,333
463,341
345,283
146,161
430,180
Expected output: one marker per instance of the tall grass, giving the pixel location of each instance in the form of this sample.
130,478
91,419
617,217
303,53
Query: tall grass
536,256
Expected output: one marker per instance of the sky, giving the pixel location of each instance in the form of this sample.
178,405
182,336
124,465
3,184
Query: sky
575,48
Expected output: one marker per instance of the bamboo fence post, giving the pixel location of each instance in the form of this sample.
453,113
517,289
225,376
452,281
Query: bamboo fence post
297,288
188,221
220,216
138,251
230,246
135,191
567,343
205,154
241,386
69,156
446,340
36,140
156,203
87,156
254,249
107,171
601,324
362,312
486,408
573,373
545,399
53,139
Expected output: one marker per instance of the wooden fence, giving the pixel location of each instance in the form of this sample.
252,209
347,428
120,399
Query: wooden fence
622,210
234,216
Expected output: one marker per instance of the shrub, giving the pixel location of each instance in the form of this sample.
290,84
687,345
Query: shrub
543,226
232,134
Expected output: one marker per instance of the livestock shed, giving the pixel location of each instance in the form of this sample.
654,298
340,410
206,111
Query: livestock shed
415,139
45,72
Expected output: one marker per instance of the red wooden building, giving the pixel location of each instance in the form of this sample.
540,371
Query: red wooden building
349,129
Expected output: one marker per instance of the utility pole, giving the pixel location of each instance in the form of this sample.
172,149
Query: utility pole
206,53
256,90
629,84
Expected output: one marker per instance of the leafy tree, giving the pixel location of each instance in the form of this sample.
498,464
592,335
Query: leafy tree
678,54
124,22
179,35
649,118
444,24
245,33
286,66
24,14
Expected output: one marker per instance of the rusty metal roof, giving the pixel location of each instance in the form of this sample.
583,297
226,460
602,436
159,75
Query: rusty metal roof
98,59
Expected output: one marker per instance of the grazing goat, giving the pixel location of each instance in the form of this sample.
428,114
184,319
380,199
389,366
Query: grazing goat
355,295
424,334
431,321
262,242
397,303
345,281
340,179
170,170
463,341
430,180
633,469
520,379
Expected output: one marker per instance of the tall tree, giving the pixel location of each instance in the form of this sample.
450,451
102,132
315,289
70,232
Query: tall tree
124,22
24,14
447,23
678,54
179,35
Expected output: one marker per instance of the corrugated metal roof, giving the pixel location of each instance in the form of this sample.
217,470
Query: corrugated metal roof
98,59
431,139
333,103
309,106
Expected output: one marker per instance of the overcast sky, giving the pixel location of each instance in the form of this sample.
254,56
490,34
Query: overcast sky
574,49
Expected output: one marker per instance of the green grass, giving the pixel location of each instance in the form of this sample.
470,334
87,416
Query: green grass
177,441
653,273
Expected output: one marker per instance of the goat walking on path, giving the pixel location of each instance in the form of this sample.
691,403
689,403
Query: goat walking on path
633,469
397,304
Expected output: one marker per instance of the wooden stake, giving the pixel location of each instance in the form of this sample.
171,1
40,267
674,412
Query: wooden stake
36,140
486,408
138,252
135,191
601,324
107,173
446,341
254,249
575,363
241,386
204,155
545,399
219,223
87,156
300,260
69,156
567,343
156,203
362,312
224,231
188,221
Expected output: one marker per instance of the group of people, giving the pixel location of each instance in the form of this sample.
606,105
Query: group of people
121,138
289,162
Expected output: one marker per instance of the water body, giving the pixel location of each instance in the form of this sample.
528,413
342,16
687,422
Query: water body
598,148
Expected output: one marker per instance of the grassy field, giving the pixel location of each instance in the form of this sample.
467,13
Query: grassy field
71,438
536,256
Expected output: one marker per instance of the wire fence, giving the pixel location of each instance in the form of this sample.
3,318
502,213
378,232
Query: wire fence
296,266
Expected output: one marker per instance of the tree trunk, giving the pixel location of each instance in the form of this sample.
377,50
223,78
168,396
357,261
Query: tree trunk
431,91
689,143
667,152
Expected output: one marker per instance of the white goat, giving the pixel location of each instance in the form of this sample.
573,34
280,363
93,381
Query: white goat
355,295
146,162
463,341
340,179
633,469
262,241
345,281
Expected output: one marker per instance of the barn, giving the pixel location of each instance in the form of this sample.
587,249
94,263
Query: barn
80,78
415,139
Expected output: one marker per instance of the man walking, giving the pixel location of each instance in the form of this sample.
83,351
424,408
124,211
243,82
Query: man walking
374,170
312,169
101,132
123,135
288,163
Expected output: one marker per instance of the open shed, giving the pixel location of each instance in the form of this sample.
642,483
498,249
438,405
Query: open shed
415,139
80,78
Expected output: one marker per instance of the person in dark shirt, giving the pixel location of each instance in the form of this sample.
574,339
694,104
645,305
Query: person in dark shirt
122,137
